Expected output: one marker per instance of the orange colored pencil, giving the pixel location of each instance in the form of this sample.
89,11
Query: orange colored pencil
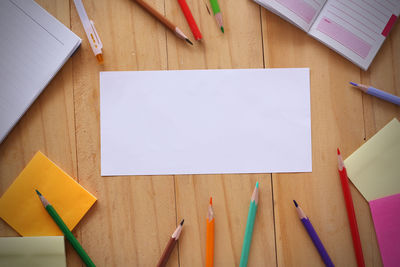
210,236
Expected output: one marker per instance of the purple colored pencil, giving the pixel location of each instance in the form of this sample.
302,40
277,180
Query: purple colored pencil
378,93
314,237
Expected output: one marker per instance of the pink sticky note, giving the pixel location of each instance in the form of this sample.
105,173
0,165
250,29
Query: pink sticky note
386,215
344,36
303,9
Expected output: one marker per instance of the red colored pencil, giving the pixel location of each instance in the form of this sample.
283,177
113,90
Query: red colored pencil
189,18
350,211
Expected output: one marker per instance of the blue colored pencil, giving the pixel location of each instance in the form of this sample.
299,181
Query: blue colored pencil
314,237
378,93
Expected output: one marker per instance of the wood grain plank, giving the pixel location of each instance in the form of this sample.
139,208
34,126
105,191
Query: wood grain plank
337,120
239,47
134,216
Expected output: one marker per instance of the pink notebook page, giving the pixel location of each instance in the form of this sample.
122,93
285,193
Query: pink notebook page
358,24
386,216
301,8
344,36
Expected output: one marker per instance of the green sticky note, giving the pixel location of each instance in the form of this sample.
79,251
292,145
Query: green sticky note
35,251
374,168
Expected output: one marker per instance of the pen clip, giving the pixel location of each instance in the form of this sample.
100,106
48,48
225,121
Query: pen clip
96,36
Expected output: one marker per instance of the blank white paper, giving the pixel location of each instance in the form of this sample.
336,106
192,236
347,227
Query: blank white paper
205,121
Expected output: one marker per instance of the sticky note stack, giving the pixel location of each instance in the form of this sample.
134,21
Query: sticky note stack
375,170
32,251
21,208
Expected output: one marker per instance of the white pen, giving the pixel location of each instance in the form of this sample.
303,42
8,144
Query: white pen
90,30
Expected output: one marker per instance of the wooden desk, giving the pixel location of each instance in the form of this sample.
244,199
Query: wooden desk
134,216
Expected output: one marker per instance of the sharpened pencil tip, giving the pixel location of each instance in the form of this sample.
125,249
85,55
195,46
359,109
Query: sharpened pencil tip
295,203
257,184
187,40
354,84
208,10
222,29
338,151
37,192
210,200
182,222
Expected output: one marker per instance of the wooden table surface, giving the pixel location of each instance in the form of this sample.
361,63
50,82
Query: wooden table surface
135,215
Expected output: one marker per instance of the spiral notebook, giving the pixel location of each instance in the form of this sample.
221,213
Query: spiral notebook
356,29
33,47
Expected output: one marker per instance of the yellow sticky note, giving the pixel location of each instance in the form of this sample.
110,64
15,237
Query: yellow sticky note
21,208
31,251
374,168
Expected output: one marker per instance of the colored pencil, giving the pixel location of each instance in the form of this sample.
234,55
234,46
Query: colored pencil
217,14
378,93
249,228
67,233
170,246
313,235
208,10
163,20
210,236
350,211
190,20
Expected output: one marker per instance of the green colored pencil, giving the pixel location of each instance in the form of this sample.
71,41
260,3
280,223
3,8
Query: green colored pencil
249,228
67,233
217,14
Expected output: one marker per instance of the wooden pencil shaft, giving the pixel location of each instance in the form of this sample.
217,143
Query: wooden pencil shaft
157,15
167,252
340,163
210,213
301,213
254,196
